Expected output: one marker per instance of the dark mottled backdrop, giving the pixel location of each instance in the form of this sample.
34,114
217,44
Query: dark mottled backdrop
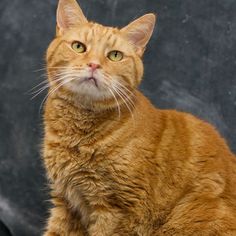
190,66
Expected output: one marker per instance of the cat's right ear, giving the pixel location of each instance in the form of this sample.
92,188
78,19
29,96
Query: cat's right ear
69,14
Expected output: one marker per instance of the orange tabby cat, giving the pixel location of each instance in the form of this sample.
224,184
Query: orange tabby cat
117,165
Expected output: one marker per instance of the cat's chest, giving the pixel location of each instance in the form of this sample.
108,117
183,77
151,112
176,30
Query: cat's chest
85,179
83,167
80,167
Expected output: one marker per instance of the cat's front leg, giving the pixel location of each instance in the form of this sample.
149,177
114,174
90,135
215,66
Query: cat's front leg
62,222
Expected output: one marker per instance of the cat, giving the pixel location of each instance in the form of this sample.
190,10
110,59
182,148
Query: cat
116,165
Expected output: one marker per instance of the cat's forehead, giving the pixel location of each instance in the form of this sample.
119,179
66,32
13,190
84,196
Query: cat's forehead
94,33
96,29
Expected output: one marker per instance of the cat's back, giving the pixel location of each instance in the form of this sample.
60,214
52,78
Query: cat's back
200,137
184,129
208,154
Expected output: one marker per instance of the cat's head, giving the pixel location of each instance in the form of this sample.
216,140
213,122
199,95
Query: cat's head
96,63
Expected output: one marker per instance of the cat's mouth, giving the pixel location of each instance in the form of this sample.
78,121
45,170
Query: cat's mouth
90,85
91,80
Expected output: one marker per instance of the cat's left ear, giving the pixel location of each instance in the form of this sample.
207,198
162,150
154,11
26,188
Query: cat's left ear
69,14
140,31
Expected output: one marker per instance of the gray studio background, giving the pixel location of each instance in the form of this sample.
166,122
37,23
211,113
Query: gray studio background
190,65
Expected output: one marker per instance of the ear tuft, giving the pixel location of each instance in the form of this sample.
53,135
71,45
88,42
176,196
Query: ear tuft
140,31
69,14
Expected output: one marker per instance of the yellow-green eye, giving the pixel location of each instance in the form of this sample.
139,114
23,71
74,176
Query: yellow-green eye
79,47
115,55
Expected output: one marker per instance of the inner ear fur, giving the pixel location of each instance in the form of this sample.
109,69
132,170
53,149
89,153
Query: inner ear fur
69,14
140,31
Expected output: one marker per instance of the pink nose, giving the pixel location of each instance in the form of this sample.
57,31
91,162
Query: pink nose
94,66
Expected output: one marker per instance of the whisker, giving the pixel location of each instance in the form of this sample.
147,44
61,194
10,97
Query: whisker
56,67
43,82
123,99
119,88
123,86
55,89
39,70
111,78
129,100
118,105
119,84
36,86
38,91
56,78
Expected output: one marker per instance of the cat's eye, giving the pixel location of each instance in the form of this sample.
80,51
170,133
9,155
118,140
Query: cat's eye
115,55
78,47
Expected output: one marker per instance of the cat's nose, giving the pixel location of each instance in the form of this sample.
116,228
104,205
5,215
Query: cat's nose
93,66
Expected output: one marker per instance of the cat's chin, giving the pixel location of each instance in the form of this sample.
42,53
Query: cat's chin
90,96
89,88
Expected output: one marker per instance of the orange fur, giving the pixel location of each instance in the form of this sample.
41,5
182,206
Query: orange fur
117,165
